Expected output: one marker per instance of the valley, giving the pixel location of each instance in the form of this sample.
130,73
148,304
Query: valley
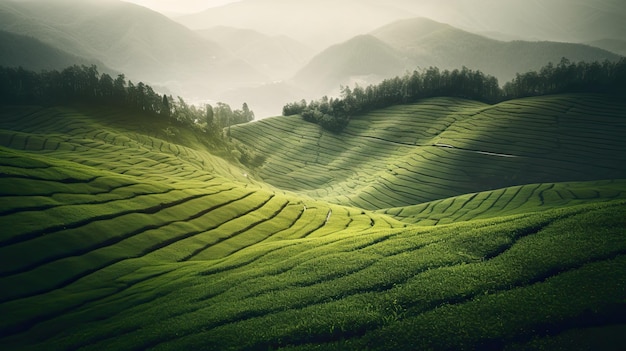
398,175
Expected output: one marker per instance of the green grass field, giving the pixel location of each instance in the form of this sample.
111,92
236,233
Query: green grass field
446,224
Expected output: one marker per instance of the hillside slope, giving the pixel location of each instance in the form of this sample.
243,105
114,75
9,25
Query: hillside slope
442,147
125,232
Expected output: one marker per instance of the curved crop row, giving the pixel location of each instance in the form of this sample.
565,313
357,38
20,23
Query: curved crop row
508,201
440,148
121,234
353,289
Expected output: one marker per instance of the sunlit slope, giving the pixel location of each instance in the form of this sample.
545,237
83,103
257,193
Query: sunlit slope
443,147
80,195
124,143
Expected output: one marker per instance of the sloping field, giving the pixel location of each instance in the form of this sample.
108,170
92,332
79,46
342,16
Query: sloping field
120,232
443,147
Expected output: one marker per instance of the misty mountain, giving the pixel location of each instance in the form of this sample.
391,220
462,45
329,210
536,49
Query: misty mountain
362,59
555,20
421,43
317,23
320,23
277,56
245,47
142,43
617,46
19,50
430,43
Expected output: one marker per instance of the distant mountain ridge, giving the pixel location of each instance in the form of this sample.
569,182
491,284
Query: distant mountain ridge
430,43
559,20
617,46
240,59
30,53
317,23
364,57
416,43
278,56
130,38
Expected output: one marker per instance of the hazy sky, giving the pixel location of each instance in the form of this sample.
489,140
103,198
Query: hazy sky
180,6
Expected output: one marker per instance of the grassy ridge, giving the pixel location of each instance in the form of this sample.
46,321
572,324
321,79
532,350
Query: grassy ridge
440,148
125,233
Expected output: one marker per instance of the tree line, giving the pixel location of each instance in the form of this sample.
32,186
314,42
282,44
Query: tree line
334,114
570,77
85,85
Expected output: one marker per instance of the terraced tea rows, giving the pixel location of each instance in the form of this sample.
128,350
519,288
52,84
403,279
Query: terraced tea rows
348,291
440,148
123,232
81,197
509,201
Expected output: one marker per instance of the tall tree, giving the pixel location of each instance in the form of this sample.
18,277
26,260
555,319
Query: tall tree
247,113
166,110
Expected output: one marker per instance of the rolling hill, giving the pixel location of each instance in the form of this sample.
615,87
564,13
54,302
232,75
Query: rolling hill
421,43
422,152
444,224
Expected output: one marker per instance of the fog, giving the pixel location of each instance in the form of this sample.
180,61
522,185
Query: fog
270,52
324,22
320,24
179,7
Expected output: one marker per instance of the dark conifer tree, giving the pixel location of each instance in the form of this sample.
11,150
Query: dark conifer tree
166,109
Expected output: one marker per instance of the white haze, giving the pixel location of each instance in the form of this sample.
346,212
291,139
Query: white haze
263,45
179,7
321,23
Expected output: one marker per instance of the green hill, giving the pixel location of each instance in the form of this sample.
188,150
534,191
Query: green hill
444,147
125,232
